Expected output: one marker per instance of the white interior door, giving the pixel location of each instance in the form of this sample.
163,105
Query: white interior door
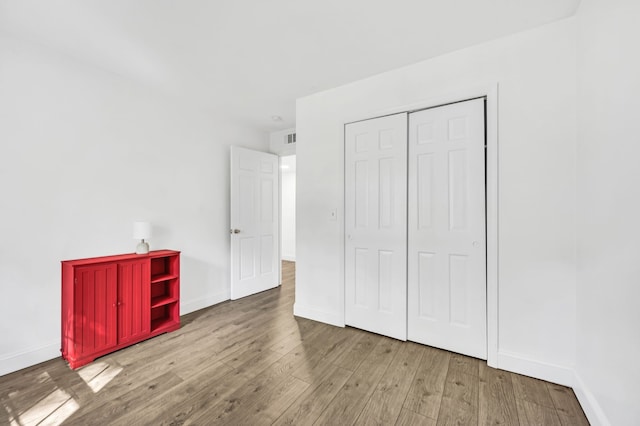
376,225
255,262
446,238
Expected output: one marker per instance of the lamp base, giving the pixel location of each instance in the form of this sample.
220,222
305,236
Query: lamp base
142,247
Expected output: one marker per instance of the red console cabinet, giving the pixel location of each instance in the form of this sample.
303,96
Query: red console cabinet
112,302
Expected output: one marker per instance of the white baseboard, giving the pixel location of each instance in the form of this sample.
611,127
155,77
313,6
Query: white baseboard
316,315
289,258
589,404
26,358
561,375
509,361
521,364
15,361
203,302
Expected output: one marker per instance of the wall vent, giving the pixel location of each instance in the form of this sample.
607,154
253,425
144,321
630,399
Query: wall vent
291,138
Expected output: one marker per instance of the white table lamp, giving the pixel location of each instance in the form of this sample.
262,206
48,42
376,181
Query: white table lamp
142,231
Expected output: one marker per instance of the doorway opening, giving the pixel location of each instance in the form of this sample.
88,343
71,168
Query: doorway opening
288,208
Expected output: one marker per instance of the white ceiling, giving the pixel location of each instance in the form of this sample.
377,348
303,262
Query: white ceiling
248,60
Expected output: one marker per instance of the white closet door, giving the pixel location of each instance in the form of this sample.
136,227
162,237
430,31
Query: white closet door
376,225
446,241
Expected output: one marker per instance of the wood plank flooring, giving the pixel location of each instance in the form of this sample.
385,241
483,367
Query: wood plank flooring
251,362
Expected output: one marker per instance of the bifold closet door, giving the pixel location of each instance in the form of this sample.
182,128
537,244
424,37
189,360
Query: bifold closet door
446,228
376,225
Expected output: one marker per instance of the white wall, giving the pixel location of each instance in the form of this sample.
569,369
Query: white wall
288,209
278,142
536,73
608,294
84,153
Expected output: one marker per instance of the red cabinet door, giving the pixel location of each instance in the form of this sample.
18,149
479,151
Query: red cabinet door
95,309
133,300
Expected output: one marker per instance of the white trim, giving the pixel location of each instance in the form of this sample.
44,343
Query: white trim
316,315
566,376
15,361
288,258
342,303
203,302
280,219
521,364
589,403
457,96
491,189
490,92
26,358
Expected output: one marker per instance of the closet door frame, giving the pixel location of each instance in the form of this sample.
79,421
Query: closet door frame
490,93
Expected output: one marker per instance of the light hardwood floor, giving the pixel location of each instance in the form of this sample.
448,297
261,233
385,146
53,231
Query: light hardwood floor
250,362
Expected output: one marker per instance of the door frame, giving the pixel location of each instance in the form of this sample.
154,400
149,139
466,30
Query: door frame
490,93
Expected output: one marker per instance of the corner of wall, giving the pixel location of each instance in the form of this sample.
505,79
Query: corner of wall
521,364
204,302
15,361
592,409
566,376
278,142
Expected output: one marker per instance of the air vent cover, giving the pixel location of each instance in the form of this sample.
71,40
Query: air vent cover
291,138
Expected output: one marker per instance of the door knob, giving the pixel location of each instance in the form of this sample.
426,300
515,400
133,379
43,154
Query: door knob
234,231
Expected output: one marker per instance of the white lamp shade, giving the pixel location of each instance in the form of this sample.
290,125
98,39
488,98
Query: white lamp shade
141,230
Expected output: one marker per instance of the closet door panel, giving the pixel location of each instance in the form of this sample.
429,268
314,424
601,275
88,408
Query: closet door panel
446,228
375,225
